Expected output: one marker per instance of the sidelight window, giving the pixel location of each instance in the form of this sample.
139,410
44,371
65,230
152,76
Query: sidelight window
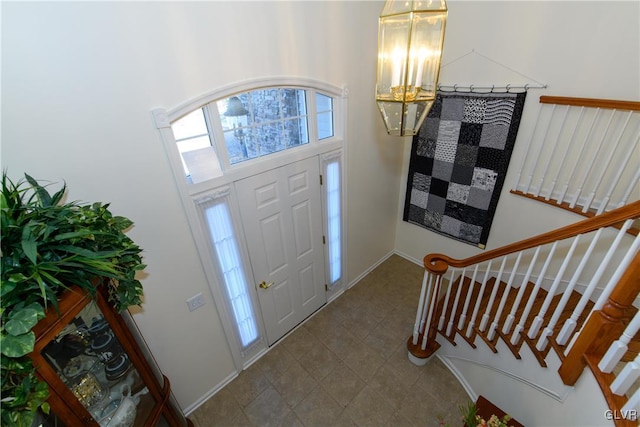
333,212
229,262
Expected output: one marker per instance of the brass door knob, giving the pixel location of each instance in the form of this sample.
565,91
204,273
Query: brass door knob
265,285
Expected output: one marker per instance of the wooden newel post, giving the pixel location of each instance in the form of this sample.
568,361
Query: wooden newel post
604,326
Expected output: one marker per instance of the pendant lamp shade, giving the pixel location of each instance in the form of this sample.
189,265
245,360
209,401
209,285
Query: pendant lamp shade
235,108
410,40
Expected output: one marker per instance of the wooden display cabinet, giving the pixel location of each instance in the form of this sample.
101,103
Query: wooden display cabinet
99,373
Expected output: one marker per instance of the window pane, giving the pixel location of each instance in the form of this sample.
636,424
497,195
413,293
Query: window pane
193,144
294,103
233,112
191,125
323,103
295,132
265,105
230,264
262,122
268,139
324,108
325,125
333,220
236,143
199,159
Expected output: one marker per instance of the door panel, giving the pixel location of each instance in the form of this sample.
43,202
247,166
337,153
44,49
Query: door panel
282,218
308,290
273,243
302,219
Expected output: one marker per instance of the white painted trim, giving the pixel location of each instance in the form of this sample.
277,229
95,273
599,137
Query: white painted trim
461,379
369,270
409,258
245,85
525,370
222,384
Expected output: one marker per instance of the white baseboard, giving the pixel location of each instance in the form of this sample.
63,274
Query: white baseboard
369,270
222,384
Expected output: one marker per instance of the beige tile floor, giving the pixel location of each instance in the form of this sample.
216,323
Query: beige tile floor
345,366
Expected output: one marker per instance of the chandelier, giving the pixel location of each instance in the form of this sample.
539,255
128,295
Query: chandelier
410,40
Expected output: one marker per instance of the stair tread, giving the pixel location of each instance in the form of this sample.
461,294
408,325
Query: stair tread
482,305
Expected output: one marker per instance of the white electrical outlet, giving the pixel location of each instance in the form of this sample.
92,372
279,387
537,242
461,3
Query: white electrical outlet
195,301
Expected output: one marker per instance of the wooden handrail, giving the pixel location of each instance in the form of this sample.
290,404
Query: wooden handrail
439,263
591,103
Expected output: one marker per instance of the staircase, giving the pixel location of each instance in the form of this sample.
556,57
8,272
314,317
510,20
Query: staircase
560,302
527,299
456,324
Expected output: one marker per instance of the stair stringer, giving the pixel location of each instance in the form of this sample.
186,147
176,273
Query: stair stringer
533,395
526,370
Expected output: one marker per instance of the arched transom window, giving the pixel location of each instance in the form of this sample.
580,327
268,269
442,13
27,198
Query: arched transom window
250,125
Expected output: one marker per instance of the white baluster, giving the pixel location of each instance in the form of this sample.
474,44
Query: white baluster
529,145
548,330
619,347
605,165
494,292
630,188
446,301
564,155
553,152
572,204
426,284
616,180
537,321
630,409
503,300
626,260
527,309
467,301
512,315
625,379
578,157
540,147
454,309
570,324
432,307
480,295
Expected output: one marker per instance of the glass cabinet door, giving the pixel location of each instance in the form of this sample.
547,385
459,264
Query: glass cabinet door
90,361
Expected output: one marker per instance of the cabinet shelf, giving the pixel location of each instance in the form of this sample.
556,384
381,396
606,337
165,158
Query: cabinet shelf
97,372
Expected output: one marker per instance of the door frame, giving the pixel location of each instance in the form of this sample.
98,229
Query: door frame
195,194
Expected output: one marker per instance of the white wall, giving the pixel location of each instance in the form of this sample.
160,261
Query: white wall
79,80
578,48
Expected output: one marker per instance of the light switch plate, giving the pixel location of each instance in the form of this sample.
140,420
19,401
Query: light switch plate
195,301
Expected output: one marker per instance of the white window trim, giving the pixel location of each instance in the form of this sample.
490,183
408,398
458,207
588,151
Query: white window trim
191,193
336,288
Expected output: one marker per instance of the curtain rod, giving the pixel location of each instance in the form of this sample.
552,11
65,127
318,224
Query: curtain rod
488,89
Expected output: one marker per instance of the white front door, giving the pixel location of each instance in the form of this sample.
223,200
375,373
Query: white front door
282,220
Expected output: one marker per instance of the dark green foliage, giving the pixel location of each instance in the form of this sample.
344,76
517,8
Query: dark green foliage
48,245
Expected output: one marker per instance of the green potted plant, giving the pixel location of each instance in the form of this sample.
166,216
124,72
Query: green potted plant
470,418
48,245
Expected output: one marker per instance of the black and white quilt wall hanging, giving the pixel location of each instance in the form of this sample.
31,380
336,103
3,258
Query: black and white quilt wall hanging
459,161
